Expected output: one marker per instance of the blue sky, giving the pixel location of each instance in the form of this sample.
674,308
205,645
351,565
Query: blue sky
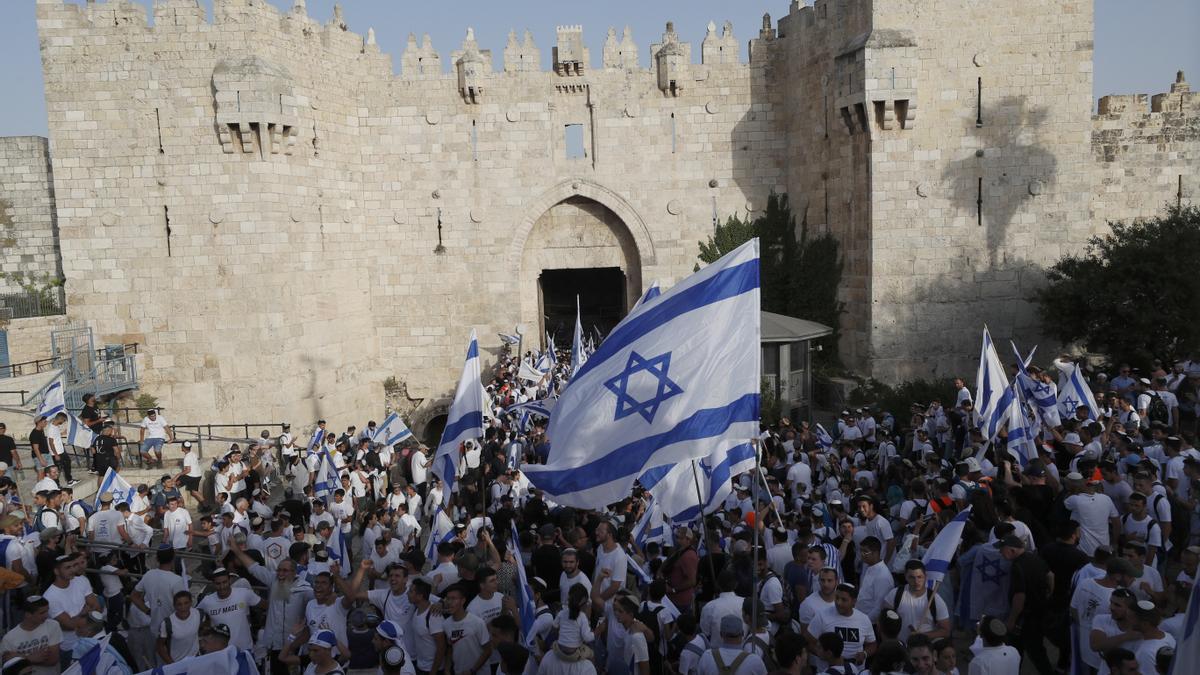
1139,44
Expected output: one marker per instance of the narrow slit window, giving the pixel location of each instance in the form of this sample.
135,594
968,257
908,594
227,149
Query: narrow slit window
979,102
474,141
674,136
979,202
574,142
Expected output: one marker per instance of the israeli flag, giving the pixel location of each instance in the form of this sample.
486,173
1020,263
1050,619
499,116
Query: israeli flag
993,396
649,527
120,488
544,363
1021,435
229,660
542,407
944,547
824,440
99,659
678,377
509,339
53,400
651,293
78,434
440,530
318,438
531,373
327,479
465,421
339,550
525,605
1044,396
392,431
643,575
551,349
1073,391
578,354
675,486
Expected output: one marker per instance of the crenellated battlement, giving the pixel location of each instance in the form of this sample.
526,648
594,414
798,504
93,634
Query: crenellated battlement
1179,100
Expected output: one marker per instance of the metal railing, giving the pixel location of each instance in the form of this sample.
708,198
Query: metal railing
50,302
22,392
131,455
50,363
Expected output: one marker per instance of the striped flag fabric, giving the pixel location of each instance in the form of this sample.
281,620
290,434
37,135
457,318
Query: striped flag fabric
675,486
1021,441
525,605
327,479
993,396
1042,395
99,659
464,421
230,660
824,440
541,407
578,349
120,488
340,550
1187,651
318,438
944,548
678,377
392,431
1073,391
651,293
438,533
53,400
649,527
642,574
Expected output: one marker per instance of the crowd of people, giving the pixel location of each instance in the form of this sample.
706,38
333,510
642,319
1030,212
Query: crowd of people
1084,557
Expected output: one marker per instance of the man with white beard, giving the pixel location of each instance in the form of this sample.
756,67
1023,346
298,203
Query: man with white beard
288,596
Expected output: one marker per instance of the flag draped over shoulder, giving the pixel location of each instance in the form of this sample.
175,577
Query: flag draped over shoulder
988,589
327,479
120,488
392,431
463,422
676,378
944,547
993,396
824,440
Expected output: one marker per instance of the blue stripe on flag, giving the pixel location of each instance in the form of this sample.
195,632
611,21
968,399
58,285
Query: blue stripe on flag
725,284
471,420
630,458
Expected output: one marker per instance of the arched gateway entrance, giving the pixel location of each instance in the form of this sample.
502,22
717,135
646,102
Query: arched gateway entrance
578,240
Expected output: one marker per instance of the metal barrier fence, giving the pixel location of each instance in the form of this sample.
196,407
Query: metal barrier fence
50,363
49,302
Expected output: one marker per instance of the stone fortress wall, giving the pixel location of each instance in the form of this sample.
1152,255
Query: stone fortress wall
283,223
28,236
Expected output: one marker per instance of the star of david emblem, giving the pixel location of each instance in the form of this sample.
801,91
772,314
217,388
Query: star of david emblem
997,571
1069,404
120,495
642,376
1042,388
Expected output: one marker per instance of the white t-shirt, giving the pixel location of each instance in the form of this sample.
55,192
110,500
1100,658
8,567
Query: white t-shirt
800,473
320,617
1089,600
751,665
466,638
1002,660
565,583
233,611
69,601
158,587
419,470
103,526
916,614
54,439
425,627
23,642
191,465
156,428
175,527
855,630
184,635
486,609
617,562
1092,512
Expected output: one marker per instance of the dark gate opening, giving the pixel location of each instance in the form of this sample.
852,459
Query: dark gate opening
601,293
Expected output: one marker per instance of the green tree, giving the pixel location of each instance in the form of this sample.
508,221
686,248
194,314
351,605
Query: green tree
800,278
1134,295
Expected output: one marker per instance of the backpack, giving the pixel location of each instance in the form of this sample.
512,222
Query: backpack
768,658
87,508
38,524
649,618
900,596
1157,410
732,668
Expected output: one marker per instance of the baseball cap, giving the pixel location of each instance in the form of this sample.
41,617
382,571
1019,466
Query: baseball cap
325,639
731,626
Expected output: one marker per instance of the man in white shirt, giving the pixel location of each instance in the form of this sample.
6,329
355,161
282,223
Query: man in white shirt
155,591
851,625
996,658
230,605
419,465
189,477
153,432
1095,512
918,615
70,596
108,525
875,585
728,657
177,525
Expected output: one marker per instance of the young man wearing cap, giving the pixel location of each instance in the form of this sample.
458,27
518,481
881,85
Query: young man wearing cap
727,657
36,638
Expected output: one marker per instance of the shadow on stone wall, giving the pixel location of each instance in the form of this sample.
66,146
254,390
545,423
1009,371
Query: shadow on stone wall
1012,165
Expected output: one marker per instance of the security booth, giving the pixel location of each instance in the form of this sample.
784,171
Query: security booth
787,361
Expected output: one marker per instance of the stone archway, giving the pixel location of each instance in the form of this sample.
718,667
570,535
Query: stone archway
577,233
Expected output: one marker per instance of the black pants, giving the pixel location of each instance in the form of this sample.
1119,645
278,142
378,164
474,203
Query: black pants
63,461
1031,642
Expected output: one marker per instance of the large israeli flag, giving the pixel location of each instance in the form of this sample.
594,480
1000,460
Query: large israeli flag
649,527
78,434
993,397
1021,435
441,530
678,488
392,431
525,604
120,488
944,547
651,293
678,377
464,421
53,400
1073,390
541,406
